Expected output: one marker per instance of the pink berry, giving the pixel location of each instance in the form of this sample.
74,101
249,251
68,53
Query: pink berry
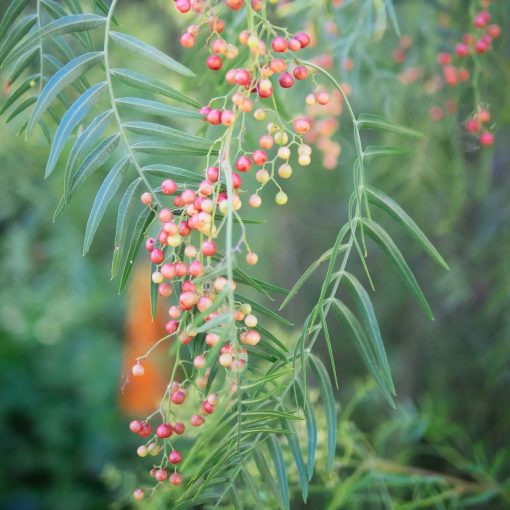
171,327
175,457
179,428
146,198
168,187
161,475
209,248
214,62
243,164
136,426
187,40
259,157
486,139
175,478
279,44
286,80
164,430
300,72
157,256
196,420
303,38
178,397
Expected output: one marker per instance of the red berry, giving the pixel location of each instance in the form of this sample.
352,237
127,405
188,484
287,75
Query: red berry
303,38
175,478
164,430
473,125
444,58
259,157
146,430
486,139
168,187
279,44
462,50
150,243
243,77
157,256
196,420
187,40
179,428
171,327
214,62
161,475
136,426
213,173
183,6
236,181
235,5
494,31
243,164
300,72
178,397
207,407
175,457
209,248
214,117
286,80
301,126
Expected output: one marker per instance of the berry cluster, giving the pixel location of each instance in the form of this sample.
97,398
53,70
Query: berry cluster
189,271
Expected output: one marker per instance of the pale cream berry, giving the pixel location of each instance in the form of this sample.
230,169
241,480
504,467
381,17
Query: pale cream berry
284,153
262,176
255,201
281,198
252,258
250,321
285,171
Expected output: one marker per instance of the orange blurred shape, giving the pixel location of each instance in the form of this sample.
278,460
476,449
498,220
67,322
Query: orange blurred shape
141,395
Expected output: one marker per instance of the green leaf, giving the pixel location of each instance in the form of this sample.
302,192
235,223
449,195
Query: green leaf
66,25
25,86
264,311
275,450
142,224
366,310
174,136
252,487
106,192
375,152
94,160
381,237
267,334
150,107
83,142
311,428
21,108
69,73
22,64
270,414
298,460
173,172
16,33
365,348
325,330
169,149
389,205
393,16
70,120
154,294
322,377
145,50
369,121
144,82
267,476
307,274
126,204
12,12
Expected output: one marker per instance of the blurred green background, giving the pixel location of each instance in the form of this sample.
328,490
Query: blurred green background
65,443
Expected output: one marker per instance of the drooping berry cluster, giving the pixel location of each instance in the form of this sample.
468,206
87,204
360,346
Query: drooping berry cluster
189,270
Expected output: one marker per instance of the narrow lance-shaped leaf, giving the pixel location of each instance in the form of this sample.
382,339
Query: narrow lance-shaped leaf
106,192
161,170
66,25
366,309
311,428
169,149
298,459
389,205
14,9
322,377
172,135
264,311
22,64
376,152
94,160
25,86
275,450
142,224
370,121
351,323
70,120
381,237
21,108
69,73
143,49
150,107
267,476
84,141
147,83
16,33
126,205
